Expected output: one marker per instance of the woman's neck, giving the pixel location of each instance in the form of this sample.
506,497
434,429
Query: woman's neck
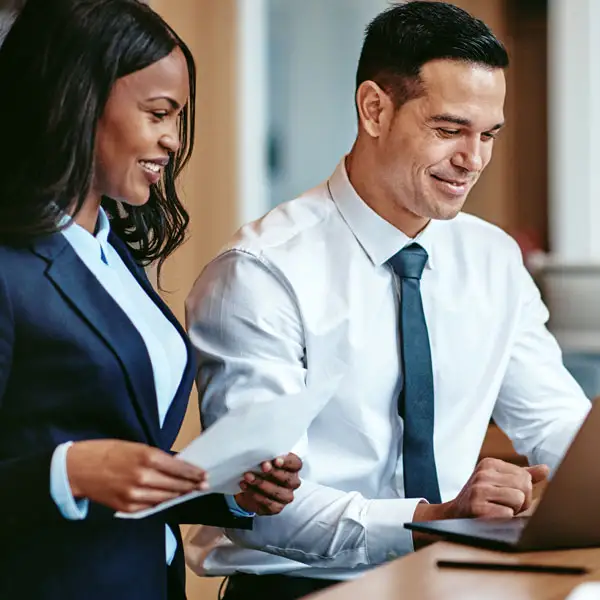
87,217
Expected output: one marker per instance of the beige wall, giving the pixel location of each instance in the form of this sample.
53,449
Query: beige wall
513,191
493,197
208,27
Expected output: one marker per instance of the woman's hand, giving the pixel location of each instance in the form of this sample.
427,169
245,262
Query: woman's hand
128,476
269,492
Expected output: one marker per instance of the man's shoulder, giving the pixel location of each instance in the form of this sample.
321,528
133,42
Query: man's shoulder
289,226
477,233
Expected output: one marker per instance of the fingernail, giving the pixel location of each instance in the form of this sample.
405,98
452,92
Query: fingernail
250,478
204,486
279,462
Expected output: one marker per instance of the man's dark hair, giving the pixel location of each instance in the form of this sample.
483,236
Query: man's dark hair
399,41
59,63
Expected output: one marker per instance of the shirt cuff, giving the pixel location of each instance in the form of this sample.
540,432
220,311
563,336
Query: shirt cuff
170,544
60,488
386,537
234,508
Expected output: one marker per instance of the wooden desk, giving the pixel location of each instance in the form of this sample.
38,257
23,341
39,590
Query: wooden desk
416,577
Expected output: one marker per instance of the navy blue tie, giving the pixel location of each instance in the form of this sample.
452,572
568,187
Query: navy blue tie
415,404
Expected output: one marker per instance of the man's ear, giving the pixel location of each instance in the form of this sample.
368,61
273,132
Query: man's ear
375,108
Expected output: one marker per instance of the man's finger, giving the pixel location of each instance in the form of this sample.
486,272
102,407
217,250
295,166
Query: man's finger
266,505
509,497
500,466
528,512
282,478
519,481
270,490
538,472
498,511
289,462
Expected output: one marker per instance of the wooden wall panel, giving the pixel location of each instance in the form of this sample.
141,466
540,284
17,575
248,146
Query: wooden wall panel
209,184
494,196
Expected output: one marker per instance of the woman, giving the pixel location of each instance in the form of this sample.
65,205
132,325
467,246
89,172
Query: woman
95,372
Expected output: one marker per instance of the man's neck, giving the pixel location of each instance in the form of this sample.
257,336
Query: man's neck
363,176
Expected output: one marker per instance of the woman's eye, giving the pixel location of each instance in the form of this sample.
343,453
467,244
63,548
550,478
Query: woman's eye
159,114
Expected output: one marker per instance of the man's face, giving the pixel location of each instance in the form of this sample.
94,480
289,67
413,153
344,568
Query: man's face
437,145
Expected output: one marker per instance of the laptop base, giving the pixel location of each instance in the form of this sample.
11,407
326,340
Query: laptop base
494,534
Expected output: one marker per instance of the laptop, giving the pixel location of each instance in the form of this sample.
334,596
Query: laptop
567,516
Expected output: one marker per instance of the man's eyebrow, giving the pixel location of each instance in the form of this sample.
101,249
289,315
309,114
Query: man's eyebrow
448,118
174,104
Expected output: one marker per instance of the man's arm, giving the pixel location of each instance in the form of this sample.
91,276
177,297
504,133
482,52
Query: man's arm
540,406
246,326
211,509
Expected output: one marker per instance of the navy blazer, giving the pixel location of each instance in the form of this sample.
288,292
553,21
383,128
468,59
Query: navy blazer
73,367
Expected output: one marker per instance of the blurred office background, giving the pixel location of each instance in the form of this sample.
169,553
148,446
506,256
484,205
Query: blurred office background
276,114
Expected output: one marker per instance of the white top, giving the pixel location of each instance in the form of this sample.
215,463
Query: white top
165,346
313,273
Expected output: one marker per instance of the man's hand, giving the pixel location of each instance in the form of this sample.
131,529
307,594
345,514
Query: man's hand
495,489
269,492
128,476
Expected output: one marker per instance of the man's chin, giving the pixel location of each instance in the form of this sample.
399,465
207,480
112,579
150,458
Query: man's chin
446,211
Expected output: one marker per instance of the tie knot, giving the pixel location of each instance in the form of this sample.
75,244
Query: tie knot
409,262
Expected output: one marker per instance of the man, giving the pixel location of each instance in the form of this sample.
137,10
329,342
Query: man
431,309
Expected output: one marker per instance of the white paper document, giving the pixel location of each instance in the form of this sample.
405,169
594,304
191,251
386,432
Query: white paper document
586,591
248,436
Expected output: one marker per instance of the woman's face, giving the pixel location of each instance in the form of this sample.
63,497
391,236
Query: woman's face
138,130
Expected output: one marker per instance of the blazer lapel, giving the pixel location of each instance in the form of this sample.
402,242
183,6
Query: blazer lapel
89,298
176,413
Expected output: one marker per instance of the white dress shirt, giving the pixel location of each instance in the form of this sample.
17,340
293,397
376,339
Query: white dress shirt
166,348
311,279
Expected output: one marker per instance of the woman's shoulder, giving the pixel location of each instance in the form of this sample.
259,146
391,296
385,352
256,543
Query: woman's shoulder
18,262
10,253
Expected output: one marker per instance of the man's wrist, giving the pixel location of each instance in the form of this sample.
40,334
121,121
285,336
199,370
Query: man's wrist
429,512
237,508
432,512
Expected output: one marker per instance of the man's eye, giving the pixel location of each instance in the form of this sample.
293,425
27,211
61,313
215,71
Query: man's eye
159,114
448,132
488,135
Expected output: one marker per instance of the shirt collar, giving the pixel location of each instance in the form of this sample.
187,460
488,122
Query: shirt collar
378,238
102,227
83,239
